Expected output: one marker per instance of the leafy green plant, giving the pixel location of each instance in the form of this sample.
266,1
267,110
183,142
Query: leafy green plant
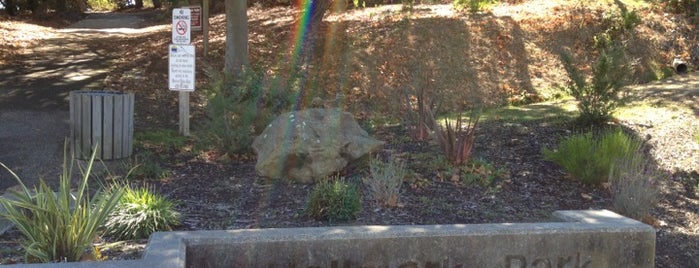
385,180
145,166
617,26
456,144
598,97
139,213
481,172
473,6
238,110
634,185
59,226
590,159
629,19
407,5
689,7
335,200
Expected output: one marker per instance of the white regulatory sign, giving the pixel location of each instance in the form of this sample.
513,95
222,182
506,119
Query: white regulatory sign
181,28
181,71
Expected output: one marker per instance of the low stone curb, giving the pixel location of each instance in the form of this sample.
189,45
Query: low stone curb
589,238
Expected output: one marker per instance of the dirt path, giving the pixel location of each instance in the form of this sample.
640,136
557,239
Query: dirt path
34,90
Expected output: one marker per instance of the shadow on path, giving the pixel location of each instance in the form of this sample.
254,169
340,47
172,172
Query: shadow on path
34,119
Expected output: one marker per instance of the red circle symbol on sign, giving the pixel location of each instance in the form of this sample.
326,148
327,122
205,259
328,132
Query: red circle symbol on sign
181,27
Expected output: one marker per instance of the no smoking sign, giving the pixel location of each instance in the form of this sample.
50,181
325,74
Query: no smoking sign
181,31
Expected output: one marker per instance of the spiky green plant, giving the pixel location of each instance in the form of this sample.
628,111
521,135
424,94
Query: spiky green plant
589,158
456,141
334,200
59,226
140,213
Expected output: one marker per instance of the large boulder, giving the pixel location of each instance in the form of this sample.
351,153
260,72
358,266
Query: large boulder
309,145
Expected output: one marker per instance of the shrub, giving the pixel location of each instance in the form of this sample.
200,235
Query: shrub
590,159
59,226
634,185
473,6
139,213
334,200
480,172
598,98
385,180
689,7
455,143
238,110
145,166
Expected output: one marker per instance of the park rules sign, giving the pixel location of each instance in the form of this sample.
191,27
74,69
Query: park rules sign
181,72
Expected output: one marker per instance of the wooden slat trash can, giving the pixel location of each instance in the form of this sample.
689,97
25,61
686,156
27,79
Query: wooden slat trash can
103,119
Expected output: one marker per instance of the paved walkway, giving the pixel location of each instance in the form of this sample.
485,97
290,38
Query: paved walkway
34,120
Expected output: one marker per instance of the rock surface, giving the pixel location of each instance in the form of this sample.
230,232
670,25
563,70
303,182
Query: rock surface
308,145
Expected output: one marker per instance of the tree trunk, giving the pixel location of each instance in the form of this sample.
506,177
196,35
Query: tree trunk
318,9
61,6
236,37
33,5
157,4
11,7
139,4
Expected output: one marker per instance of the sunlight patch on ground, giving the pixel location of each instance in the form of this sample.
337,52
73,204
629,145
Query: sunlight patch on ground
649,113
156,28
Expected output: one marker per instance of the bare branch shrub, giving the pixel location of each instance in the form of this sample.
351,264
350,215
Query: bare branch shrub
385,180
634,185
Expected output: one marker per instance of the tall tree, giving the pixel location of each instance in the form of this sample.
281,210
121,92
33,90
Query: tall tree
236,36
10,7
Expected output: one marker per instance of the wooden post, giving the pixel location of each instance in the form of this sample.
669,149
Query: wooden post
205,26
184,113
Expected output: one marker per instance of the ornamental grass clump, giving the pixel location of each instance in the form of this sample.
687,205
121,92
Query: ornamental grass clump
385,180
334,200
139,213
634,185
59,226
589,158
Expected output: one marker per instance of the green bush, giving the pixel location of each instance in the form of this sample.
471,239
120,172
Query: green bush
634,185
145,166
385,180
334,200
239,110
139,213
479,171
589,158
689,7
59,226
598,98
473,6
